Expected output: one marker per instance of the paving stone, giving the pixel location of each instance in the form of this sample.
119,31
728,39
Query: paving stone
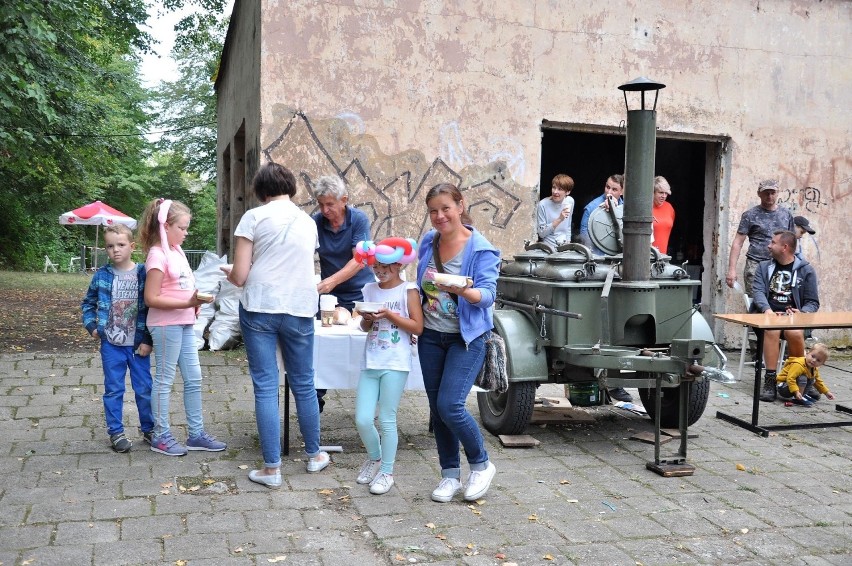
13,401
13,515
128,551
634,527
152,528
72,532
190,547
260,542
733,519
201,523
57,473
172,504
590,531
59,511
658,551
121,508
686,523
81,553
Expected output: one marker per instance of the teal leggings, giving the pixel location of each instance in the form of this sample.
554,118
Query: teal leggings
382,386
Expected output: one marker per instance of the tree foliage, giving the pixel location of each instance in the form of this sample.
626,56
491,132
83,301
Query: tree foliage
187,106
73,116
67,83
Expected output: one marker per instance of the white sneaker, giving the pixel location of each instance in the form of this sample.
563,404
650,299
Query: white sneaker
318,463
381,484
368,472
446,490
478,482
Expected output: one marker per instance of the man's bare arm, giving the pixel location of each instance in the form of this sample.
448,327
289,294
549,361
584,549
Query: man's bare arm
736,248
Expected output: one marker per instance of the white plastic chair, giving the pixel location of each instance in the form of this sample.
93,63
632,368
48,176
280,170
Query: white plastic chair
74,264
49,265
745,339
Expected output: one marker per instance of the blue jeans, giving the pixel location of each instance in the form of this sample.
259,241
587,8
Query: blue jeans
385,387
449,370
116,360
262,332
174,346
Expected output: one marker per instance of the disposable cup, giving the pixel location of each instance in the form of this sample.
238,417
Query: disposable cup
328,302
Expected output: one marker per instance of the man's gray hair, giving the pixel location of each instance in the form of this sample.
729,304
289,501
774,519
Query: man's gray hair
330,185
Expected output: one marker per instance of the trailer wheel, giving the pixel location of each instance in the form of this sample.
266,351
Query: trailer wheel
670,403
509,412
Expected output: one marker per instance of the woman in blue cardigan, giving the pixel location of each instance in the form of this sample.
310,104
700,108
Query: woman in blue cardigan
457,319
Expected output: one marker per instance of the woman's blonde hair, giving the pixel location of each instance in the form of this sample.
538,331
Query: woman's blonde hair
149,224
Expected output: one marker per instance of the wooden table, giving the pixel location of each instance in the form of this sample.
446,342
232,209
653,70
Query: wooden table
772,321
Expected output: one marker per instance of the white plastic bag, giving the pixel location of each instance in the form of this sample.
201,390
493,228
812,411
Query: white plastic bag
225,328
208,278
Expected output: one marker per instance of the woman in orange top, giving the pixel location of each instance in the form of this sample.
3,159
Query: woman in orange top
664,214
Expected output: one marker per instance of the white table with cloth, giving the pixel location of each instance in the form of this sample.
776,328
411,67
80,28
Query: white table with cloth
338,350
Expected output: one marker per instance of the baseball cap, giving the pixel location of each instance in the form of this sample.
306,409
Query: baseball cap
768,185
803,223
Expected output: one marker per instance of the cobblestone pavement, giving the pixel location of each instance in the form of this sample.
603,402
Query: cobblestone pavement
583,496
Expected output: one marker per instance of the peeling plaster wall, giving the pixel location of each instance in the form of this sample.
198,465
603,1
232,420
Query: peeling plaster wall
398,95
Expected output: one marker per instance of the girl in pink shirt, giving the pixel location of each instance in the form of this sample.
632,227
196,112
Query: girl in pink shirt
173,304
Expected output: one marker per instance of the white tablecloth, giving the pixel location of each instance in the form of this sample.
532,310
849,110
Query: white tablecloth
338,350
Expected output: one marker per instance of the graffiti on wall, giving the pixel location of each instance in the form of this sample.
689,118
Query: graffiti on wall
390,189
820,188
802,201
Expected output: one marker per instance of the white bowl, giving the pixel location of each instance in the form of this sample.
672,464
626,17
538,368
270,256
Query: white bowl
451,280
366,306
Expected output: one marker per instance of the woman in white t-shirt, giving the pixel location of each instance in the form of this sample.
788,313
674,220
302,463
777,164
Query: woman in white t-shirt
387,354
274,264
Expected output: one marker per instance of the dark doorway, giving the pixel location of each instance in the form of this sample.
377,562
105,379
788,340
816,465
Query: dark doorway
590,157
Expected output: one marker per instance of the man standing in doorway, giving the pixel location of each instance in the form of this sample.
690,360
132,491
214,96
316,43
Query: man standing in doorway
615,188
785,285
758,224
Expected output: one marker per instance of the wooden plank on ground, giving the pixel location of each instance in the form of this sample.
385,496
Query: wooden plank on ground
648,437
518,440
560,415
675,433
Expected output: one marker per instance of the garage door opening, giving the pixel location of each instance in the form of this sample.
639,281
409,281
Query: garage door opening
691,164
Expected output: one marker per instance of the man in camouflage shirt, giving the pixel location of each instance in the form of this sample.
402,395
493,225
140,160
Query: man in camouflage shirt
758,224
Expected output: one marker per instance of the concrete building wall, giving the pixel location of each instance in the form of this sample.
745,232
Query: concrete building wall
238,115
396,96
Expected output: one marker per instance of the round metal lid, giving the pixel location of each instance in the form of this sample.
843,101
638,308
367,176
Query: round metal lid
531,254
605,233
568,256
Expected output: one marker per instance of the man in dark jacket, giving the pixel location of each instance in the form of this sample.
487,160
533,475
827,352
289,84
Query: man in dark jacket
785,284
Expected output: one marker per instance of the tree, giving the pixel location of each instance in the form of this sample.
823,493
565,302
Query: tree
187,106
67,85
187,111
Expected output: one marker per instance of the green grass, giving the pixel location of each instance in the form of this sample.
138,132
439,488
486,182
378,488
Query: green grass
17,280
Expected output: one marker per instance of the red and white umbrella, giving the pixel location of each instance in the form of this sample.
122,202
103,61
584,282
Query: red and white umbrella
97,214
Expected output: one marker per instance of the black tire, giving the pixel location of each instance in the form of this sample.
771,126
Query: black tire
670,403
509,412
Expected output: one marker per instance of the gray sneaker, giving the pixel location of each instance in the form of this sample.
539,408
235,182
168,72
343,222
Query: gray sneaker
368,472
205,441
120,443
166,444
